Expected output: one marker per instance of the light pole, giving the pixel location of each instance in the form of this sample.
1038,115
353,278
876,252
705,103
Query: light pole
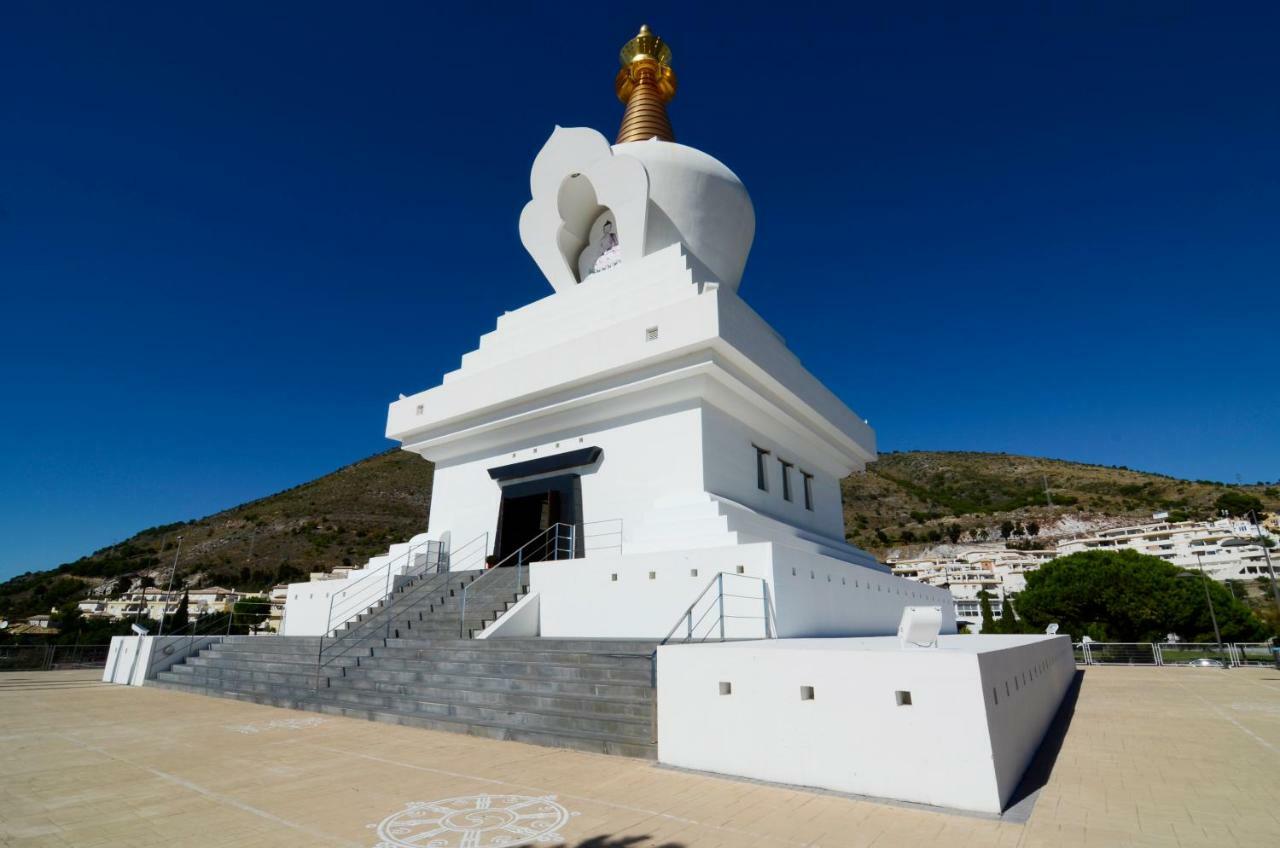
1266,552
172,571
1204,579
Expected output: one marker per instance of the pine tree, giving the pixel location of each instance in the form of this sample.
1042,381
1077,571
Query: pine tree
988,620
1009,622
183,613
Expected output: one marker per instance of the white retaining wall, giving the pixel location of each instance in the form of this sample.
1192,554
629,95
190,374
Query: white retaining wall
644,595
133,660
950,746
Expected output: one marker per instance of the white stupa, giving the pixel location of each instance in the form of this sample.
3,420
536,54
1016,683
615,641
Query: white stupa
648,447
644,402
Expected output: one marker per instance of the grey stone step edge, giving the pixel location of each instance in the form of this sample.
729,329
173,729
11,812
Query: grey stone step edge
631,723
591,702
603,689
594,743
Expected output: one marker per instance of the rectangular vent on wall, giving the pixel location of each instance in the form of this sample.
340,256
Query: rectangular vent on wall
651,334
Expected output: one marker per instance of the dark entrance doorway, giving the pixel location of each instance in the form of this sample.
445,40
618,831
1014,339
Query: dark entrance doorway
528,509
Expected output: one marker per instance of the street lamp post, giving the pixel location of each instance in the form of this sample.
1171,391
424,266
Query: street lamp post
1213,616
1266,552
172,571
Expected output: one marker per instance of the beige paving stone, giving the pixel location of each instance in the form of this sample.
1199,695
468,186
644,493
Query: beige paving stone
1159,757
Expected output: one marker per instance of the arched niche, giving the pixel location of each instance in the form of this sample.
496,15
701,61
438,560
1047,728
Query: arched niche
580,212
578,185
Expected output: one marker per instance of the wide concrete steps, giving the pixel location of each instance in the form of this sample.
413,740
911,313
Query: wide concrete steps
582,694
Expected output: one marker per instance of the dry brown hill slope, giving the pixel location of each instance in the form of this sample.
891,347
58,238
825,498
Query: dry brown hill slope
342,518
918,497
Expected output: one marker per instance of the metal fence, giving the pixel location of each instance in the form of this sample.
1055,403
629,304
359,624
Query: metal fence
52,657
1229,654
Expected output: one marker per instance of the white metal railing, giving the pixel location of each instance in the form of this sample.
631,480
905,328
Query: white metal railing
1229,654
712,614
559,541
603,535
372,587
424,576
240,618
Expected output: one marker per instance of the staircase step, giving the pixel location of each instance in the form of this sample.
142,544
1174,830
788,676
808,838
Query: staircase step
585,694
637,746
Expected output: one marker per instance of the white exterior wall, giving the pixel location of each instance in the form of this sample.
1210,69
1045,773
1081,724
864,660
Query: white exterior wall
853,736
1022,684
581,598
644,595
816,595
730,456
623,485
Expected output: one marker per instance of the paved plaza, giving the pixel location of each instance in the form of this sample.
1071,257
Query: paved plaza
1151,756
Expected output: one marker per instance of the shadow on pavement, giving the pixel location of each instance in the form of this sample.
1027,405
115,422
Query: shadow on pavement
1037,774
605,841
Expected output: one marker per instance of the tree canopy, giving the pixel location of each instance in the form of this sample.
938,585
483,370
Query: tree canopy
1125,596
1240,503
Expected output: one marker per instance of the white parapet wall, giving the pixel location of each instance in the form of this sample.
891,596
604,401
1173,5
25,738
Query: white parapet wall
642,596
952,726
133,660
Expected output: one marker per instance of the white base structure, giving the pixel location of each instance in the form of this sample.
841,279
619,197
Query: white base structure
951,726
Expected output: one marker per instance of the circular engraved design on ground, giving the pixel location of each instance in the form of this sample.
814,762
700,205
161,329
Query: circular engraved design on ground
474,821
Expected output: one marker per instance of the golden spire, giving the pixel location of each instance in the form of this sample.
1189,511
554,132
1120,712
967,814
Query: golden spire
645,83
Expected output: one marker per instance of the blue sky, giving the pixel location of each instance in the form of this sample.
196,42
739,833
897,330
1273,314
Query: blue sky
231,233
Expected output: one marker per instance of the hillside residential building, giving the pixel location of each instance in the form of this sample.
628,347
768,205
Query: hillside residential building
154,603
1228,549
1000,573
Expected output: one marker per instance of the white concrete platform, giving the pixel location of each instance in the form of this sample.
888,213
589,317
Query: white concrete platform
952,726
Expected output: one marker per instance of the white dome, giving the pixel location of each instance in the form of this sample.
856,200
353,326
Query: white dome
696,200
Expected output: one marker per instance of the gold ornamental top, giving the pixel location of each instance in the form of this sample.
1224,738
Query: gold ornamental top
645,83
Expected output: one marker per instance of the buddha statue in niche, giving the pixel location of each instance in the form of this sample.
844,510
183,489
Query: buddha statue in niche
602,250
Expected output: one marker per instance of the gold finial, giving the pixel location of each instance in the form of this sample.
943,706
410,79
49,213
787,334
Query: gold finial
646,83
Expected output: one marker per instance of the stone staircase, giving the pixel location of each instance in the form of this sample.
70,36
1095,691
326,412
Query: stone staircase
403,662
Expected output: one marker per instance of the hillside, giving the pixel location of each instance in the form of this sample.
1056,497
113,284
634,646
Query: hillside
342,518
904,503
911,500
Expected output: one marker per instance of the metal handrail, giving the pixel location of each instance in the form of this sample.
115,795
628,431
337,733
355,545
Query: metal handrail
342,645
192,632
552,533
457,560
718,581
587,535
367,582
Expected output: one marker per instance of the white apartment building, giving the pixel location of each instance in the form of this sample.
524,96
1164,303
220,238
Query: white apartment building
154,603
1000,573
1228,549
